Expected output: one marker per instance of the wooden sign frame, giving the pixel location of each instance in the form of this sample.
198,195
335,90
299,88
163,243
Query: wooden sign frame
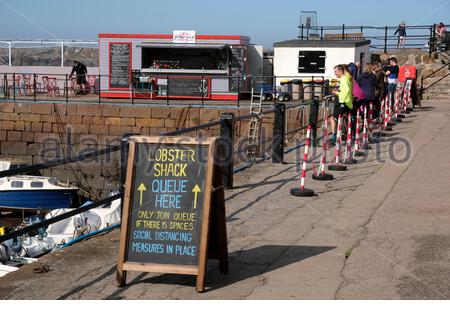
213,209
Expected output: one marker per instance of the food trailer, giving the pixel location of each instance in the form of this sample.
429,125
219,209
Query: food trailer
181,65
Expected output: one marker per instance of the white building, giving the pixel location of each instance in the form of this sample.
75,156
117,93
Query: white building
316,58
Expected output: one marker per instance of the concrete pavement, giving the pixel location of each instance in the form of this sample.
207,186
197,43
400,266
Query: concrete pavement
378,231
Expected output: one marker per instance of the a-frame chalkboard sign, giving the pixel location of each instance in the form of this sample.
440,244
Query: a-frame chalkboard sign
173,217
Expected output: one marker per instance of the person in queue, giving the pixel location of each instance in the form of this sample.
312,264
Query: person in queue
81,71
344,103
367,81
354,68
380,88
392,76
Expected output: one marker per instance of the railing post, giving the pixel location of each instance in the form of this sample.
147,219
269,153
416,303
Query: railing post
66,89
385,38
238,90
5,86
99,88
279,133
124,143
167,90
14,86
301,38
431,42
313,115
321,33
203,89
275,90
343,32
34,87
421,88
225,149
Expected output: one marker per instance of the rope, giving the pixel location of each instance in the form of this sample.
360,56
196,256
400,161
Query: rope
89,190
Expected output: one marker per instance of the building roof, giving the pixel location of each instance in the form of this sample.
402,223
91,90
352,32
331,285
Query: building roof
297,43
169,36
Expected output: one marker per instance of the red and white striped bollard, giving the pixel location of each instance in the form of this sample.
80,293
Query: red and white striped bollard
302,191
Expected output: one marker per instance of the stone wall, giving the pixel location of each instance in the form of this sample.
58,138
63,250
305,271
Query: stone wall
42,132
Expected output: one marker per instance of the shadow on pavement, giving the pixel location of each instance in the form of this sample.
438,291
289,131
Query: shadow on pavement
243,265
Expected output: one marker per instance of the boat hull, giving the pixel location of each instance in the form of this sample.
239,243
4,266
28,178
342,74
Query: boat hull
37,199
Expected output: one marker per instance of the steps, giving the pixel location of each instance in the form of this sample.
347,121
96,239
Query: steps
427,66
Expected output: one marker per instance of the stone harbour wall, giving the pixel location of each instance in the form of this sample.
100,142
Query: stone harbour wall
38,132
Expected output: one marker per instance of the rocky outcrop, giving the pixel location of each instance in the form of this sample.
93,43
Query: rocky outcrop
49,56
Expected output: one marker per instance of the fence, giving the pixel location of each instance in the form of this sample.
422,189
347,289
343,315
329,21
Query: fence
47,52
445,58
151,90
383,38
226,153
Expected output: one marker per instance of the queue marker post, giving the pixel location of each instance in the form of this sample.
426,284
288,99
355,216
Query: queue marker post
337,166
386,118
322,175
366,126
357,151
389,114
348,151
302,191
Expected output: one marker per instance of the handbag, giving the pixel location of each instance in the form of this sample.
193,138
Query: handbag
358,94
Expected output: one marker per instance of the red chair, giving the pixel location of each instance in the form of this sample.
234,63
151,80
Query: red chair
50,85
15,85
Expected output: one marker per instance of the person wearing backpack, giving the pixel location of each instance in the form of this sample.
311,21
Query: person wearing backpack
367,81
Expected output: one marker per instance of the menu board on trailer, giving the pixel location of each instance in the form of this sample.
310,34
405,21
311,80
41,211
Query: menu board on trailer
170,207
238,68
185,87
119,65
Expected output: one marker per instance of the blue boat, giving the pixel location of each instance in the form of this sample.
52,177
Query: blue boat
35,193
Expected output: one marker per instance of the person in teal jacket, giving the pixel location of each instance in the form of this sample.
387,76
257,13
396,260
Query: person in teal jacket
344,103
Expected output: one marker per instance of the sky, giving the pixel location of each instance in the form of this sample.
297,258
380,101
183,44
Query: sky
265,21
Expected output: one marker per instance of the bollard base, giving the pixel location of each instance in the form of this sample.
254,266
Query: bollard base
360,153
337,167
350,161
391,124
401,116
398,120
323,177
299,192
388,129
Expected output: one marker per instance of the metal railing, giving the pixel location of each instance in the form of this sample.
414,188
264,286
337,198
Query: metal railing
382,37
446,65
63,89
226,150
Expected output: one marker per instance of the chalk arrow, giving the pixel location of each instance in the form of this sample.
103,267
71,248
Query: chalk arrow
196,190
141,188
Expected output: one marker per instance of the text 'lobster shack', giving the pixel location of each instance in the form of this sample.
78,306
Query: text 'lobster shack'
181,65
